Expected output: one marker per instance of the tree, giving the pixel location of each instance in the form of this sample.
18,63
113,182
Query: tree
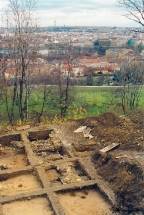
2,85
21,42
100,80
62,93
129,93
135,10
43,90
117,77
89,80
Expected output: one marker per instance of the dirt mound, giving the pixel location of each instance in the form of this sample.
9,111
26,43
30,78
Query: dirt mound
126,178
138,119
109,128
107,119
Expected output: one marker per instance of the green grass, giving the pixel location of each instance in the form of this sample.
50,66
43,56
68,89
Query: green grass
95,100
100,99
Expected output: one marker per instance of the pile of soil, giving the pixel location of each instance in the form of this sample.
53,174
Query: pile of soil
123,167
125,177
138,119
109,128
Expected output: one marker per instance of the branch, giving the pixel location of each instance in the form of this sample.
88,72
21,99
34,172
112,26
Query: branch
135,10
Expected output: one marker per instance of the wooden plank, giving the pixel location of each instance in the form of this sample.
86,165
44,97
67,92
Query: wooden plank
124,156
110,147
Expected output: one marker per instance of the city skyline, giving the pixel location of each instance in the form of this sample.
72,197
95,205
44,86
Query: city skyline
79,13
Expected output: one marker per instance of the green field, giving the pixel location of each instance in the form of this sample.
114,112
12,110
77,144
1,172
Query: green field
101,99
88,101
94,100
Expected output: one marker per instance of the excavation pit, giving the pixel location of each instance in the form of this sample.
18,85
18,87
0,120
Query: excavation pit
50,149
16,160
12,155
16,183
6,140
46,156
118,173
66,173
80,149
86,201
33,206
39,135
53,176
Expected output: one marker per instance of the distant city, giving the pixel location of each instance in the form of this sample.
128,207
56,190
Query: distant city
104,49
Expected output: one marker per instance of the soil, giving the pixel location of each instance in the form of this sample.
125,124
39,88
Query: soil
14,160
66,173
35,206
68,167
53,175
123,167
83,202
125,177
18,184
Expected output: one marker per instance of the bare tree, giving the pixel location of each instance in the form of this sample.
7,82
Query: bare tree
5,94
135,10
43,81
2,85
64,92
62,95
21,43
128,94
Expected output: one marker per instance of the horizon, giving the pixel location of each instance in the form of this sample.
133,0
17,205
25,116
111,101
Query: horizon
79,13
84,26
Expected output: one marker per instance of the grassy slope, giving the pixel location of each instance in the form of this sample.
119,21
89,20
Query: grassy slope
94,99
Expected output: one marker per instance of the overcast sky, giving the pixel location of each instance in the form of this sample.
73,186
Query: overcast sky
79,13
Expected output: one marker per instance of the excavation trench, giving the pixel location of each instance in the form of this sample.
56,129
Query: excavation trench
66,173
16,183
54,171
54,183
87,201
31,206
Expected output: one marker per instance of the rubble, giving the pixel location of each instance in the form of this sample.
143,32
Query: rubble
86,131
3,166
80,129
69,173
18,145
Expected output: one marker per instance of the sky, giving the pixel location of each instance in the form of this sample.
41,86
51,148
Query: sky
79,13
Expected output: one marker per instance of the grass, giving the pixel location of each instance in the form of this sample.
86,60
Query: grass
95,100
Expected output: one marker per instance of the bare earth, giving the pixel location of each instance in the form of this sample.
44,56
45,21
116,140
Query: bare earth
80,204
123,167
18,184
61,172
36,206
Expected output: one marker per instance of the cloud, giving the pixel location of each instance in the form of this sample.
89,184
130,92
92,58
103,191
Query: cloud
3,4
101,17
61,4
79,12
